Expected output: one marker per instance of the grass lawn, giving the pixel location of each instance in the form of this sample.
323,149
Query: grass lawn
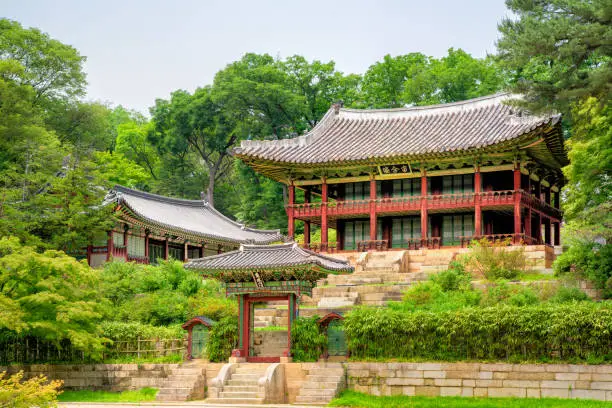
356,399
144,394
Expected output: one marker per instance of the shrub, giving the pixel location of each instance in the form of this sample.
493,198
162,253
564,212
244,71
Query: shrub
35,392
496,260
516,295
588,260
568,294
215,307
576,332
222,339
454,278
121,331
307,341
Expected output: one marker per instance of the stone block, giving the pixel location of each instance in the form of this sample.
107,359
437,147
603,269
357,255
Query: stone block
434,374
496,367
521,384
588,394
501,375
469,383
533,393
566,376
485,375
481,392
601,385
602,369
461,366
580,368
405,381
554,392
429,366
408,390
585,385
447,382
489,383
530,368
601,377
410,373
396,390
467,392
507,392
427,391
537,376
450,391
557,368
558,384
358,373
462,374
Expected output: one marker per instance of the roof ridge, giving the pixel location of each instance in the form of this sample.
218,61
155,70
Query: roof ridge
495,96
157,197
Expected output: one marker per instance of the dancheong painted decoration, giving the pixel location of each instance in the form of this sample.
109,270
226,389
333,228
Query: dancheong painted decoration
420,177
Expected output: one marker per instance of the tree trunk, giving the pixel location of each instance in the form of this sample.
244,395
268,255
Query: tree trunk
210,190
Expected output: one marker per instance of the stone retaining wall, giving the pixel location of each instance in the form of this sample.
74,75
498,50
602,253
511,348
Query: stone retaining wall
482,380
106,377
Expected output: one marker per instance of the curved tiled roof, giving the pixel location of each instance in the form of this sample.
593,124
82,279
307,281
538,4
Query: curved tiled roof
268,257
357,135
192,217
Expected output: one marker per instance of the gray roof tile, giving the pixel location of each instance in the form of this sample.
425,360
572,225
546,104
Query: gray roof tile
193,217
356,135
268,257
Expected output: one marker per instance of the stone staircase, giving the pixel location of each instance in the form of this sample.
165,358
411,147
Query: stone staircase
242,387
186,382
323,383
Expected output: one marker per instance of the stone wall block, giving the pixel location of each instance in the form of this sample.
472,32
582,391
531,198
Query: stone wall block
521,384
463,374
567,376
427,391
507,392
434,374
559,384
450,391
554,392
601,385
588,394
411,373
496,367
601,377
405,381
533,392
481,392
448,382
408,390
533,368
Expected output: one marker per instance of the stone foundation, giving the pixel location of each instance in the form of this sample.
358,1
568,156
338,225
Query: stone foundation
482,380
103,377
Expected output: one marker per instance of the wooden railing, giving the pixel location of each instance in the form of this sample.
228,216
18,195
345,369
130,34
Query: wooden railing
499,238
418,243
320,247
413,203
119,251
138,259
372,245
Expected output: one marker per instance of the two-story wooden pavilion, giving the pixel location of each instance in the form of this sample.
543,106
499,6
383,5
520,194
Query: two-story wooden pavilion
150,227
427,176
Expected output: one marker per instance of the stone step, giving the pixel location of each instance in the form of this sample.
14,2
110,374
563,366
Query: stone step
177,384
329,385
323,378
248,383
304,399
245,376
187,371
335,371
176,391
239,395
318,391
251,370
245,401
241,388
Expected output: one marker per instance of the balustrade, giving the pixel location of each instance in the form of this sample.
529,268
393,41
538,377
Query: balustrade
372,245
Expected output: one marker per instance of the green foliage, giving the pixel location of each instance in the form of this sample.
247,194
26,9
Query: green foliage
122,331
141,395
575,332
35,392
568,294
588,260
222,339
307,341
454,278
50,296
515,295
495,260
361,400
559,50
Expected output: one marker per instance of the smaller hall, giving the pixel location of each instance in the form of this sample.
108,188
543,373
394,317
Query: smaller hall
149,227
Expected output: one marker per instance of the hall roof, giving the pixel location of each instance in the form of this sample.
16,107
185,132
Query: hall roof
191,219
268,257
415,133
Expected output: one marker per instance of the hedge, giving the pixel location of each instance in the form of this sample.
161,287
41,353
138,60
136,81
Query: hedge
573,332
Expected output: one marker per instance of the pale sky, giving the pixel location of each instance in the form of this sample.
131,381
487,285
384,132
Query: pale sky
140,50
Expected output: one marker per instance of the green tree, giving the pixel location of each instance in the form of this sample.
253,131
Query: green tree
132,142
560,50
51,68
56,296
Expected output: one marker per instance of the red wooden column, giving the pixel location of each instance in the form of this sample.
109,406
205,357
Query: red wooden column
186,252
125,242
324,214
166,248
539,195
517,203
424,206
372,209
147,245
528,218
291,227
307,223
477,202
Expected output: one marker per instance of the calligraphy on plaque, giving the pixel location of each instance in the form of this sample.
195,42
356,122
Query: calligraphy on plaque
396,169
258,281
